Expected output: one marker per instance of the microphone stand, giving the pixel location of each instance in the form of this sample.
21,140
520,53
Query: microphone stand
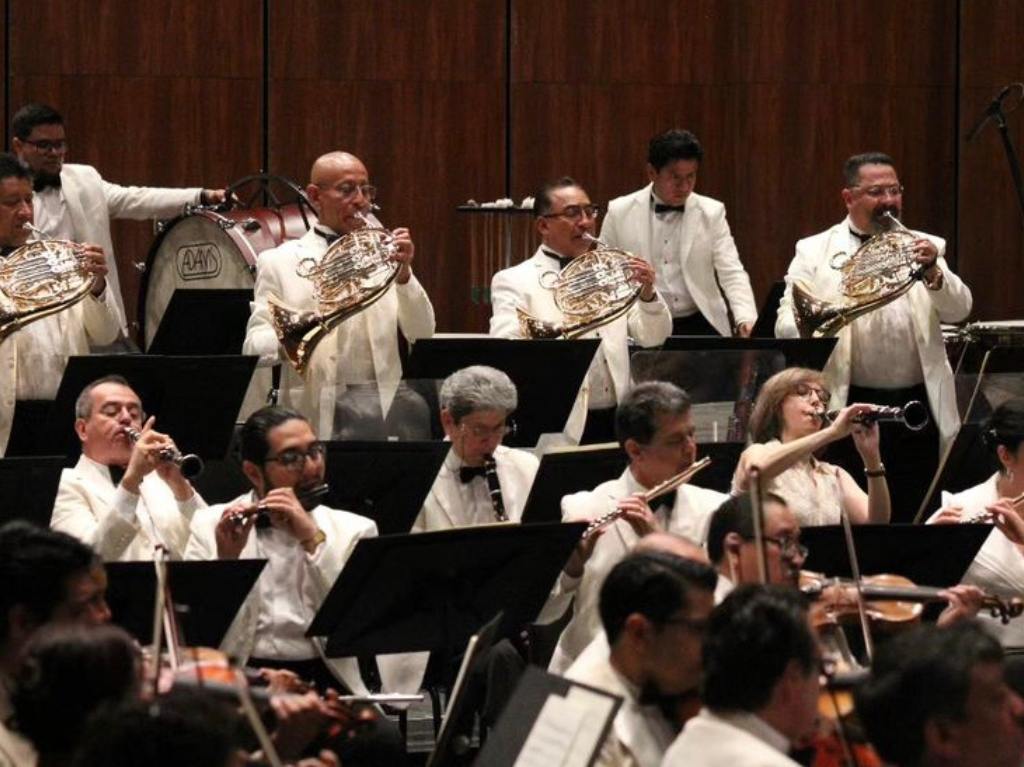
995,112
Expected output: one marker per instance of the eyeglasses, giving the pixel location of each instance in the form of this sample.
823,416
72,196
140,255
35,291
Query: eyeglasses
295,459
805,390
877,192
479,431
789,548
575,213
44,145
347,190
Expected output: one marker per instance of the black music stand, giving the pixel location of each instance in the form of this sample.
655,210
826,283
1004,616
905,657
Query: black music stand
385,481
566,470
207,596
432,591
547,374
929,555
797,352
28,488
523,712
765,325
203,322
195,399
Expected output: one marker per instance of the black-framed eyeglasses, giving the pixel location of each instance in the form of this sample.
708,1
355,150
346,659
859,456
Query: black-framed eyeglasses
805,390
575,212
790,548
877,192
294,458
45,145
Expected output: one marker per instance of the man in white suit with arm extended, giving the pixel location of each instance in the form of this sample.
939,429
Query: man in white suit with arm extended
686,237
73,202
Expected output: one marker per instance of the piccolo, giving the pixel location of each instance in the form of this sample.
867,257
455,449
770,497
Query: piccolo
309,499
654,493
190,465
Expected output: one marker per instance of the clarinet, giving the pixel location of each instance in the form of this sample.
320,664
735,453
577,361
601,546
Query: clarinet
494,488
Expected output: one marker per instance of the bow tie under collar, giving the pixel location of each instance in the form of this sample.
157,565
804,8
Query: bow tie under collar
562,260
859,235
468,473
660,207
42,182
668,500
331,237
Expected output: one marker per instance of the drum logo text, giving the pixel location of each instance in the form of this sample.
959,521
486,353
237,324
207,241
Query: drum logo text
198,261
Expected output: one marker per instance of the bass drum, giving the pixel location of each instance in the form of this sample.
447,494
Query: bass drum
203,249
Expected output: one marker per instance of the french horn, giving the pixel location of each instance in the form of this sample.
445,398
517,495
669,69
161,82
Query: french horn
354,273
879,272
40,278
596,288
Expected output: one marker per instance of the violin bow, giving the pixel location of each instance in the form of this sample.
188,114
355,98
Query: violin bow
851,552
758,519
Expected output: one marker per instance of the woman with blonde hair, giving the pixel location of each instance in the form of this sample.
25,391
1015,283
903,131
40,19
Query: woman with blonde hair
787,428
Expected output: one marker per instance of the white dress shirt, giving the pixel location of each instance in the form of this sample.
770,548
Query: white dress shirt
734,739
666,241
50,214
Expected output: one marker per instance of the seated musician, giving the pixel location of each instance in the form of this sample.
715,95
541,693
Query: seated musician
364,348
654,610
787,428
481,480
655,428
760,683
48,578
33,357
565,221
938,698
122,497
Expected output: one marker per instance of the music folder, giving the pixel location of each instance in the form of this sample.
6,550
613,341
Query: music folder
548,375
432,591
208,321
28,488
207,595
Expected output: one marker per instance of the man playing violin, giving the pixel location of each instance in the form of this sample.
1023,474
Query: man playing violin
33,357
123,497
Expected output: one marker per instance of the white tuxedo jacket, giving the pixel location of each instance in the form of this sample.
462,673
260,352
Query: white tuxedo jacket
343,530
118,525
690,518
443,508
92,321
402,307
711,741
706,249
647,322
930,308
92,202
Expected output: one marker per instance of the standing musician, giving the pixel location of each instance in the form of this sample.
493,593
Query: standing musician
787,427
73,202
364,348
686,237
481,480
123,497
32,358
655,428
895,353
566,222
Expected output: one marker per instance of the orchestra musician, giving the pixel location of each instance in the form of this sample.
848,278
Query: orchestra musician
481,480
364,348
895,353
73,202
654,610
33,358
566,223
123,497
686,237
787,427
654,426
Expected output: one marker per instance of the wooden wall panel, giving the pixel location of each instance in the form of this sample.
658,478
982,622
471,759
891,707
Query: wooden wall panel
416,90
991,235
779,91
153,93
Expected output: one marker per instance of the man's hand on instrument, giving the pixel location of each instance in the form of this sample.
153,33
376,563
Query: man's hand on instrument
404,253
951,515
926,255
145,457
286,513
233,528
638,514
582,552
212,196
643,273
964,603
94,261
300,719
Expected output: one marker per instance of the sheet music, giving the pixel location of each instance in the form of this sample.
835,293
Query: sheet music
568,730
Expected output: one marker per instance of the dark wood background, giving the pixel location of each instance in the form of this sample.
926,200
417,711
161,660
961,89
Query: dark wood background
447,100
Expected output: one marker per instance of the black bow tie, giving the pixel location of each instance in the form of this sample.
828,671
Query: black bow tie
44,181
469,473
331,238
116,474
562,260
668,500
660,208
862,237
6,250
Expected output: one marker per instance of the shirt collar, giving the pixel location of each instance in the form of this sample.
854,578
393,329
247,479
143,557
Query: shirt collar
757,727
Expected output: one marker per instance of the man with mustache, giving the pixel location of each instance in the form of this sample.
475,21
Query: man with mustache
893,354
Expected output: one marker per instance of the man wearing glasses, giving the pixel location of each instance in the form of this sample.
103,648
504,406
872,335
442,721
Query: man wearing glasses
481,481
567,222
364,348
73,202
893,354
122,498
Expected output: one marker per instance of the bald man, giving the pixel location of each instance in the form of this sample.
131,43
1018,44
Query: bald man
364,348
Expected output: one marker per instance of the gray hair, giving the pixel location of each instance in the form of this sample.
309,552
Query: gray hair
477,387
638,414
83,405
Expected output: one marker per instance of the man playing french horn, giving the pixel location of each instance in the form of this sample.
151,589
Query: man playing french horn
567,222
44,325
894,353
